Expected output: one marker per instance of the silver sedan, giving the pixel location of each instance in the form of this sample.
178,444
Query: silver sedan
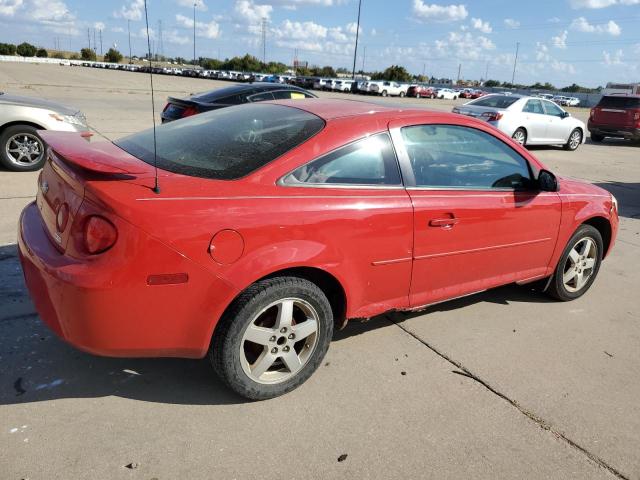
528,120
21,148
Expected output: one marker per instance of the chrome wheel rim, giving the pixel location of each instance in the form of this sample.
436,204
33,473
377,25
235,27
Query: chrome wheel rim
519,137
580,264
24,149
574,140
279,341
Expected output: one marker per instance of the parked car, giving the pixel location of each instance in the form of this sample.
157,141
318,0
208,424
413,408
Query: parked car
342,85
477,94
319,83
616,116
177,108
21,118
528,120
421,91
276,222
392,89
368,87
465,93
572,102
447,94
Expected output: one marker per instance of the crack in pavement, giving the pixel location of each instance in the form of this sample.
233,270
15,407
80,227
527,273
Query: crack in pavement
464,371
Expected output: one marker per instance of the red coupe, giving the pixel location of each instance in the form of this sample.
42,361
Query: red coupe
278,221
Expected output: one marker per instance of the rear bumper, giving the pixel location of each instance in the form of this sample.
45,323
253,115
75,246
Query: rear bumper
105,307
613,131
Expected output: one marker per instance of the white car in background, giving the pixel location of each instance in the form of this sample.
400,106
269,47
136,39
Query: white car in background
367,87
447,94
572,102
319,83
392,89
342,85
528,120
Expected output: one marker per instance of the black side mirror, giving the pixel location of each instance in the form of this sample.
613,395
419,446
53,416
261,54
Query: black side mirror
565,114
547,181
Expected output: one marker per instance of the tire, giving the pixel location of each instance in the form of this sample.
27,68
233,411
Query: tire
401,94
417,95
231,352
574,140
15,138
568,290
597,138
384,93
520,136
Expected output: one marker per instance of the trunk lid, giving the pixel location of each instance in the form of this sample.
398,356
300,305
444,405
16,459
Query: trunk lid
617,111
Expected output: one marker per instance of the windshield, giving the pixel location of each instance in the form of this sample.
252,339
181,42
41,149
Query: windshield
225,144
619,101
495,101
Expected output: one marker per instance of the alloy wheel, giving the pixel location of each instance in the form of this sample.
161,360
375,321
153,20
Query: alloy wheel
24,149
279,341
520,137
575,139
580,264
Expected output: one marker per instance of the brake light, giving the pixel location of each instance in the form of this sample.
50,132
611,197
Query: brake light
187,112
492,116
636,117
99,234
592,114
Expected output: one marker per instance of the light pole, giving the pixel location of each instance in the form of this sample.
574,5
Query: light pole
129,30
355,51
194,33
515,62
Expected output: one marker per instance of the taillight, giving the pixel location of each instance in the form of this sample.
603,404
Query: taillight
187,112
492,116
99,234
636,117
592,114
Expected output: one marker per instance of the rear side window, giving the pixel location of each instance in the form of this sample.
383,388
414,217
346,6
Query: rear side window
495,101
619,101
370,161
533,106
225,144
289,94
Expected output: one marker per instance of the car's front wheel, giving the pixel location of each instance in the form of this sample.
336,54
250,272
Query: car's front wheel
401,94
579,264
384,93
21,148
574,141
520,136
417,95
272,338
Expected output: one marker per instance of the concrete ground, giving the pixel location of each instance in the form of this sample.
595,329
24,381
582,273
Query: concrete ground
503,384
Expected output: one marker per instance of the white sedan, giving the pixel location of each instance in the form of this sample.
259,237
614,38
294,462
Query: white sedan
447,94
528,120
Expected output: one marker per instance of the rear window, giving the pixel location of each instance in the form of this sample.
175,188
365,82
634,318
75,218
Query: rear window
223,95
225,144
619,101
495,101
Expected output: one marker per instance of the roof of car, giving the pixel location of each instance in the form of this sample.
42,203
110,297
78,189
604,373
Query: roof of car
331,108
244,88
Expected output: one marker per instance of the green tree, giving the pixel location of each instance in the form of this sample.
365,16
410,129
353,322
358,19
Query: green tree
492,83
394,72
113,56
74,56
87,54
7,49
26,50
42,53
325,71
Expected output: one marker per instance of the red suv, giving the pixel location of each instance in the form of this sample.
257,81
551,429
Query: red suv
615,116
420,91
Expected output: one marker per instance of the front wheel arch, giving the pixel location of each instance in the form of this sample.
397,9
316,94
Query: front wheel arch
604,227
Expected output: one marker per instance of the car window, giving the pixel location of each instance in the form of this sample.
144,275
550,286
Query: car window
619,102
455,157
495,101
370,161
552,109
227,143
533,106
261,97
288,95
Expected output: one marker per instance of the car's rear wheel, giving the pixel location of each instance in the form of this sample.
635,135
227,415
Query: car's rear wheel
272,338
597,138
21,149
401,94
574,141
417,95
520,136
579,264
384,93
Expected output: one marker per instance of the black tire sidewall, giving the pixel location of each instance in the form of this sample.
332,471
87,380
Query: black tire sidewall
4,138
225,350
558,289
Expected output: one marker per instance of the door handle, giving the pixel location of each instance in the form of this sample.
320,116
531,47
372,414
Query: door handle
443,222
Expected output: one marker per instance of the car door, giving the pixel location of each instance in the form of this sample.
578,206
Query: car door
558,129
535,121
476,226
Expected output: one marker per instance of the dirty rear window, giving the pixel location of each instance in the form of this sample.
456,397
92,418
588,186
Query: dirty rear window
619,101
225,144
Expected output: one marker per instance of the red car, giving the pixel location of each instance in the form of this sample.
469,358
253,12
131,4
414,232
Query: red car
615,116
421,91
276,222
477,94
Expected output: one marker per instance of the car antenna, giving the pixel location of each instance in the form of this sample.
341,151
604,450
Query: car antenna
156,187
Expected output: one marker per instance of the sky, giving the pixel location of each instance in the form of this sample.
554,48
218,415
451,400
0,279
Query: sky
589,42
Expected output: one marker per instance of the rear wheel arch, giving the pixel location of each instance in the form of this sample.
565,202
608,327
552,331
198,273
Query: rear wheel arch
604,227
20,123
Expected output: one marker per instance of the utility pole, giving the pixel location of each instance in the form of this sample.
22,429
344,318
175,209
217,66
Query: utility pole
295,61
264,40
160,50
459,70
515,63
194,33
129,30
94,41
486,73
100,41
89,37
355,51
424,69
364,55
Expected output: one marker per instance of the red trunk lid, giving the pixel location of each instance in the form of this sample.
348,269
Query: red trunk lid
617,111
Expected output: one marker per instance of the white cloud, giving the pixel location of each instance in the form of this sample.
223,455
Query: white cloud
582,25
172,36
99,26
581,4
613,59
478,24
131,11
463,45
511,23
561,40
8,8
203,29
117,29
250,13
553,20
439,13
200,5
373,32
301,30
